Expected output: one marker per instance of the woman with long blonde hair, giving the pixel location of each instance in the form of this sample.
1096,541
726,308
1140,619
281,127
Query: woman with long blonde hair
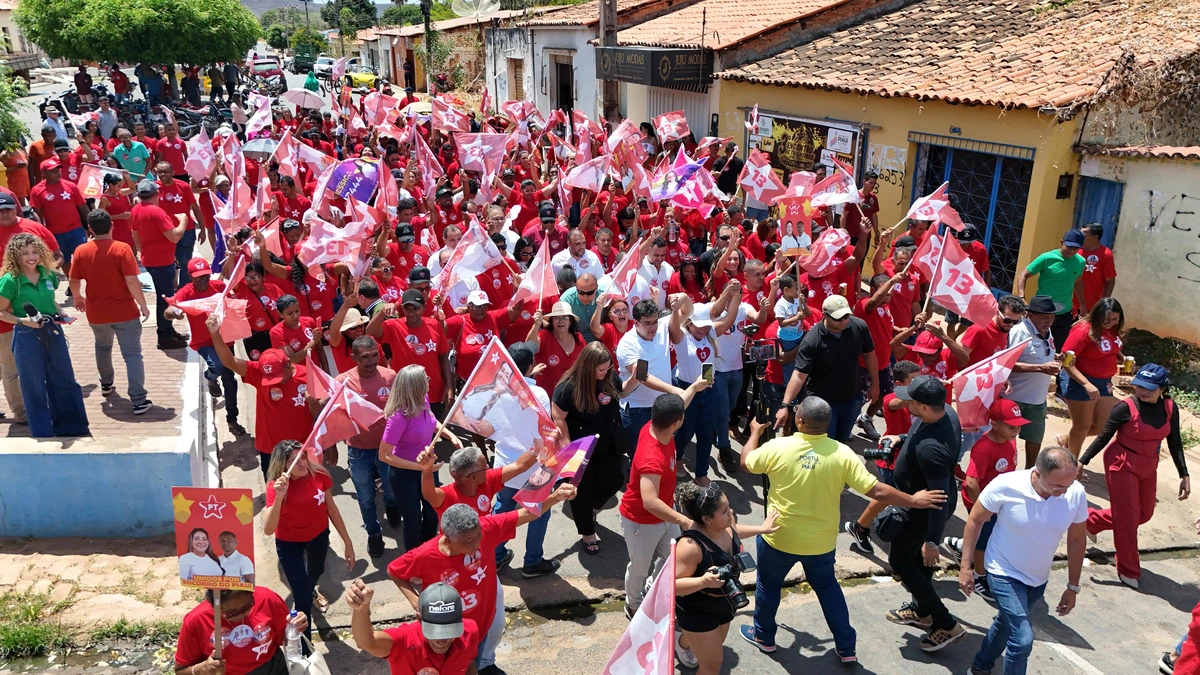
300,509
52,397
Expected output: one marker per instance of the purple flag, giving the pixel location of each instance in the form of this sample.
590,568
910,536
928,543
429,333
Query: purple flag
355,178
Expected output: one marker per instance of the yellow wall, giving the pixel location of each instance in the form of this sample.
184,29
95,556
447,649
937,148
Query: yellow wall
1046,218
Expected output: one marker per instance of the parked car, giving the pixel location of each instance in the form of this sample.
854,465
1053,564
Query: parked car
359,75
323,66
266,68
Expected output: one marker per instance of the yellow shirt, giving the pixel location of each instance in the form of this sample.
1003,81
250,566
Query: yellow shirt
807,476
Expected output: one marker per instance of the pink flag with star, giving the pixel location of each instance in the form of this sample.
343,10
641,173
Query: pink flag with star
448,118
648,645
200,156
819,262
671,126
957,286
978,387
623,278
759,179
538,281
346,414
590,175
936,207
481,152
287,155
926,257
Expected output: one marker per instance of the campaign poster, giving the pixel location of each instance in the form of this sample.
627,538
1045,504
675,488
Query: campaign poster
214,537
568,464
355,178
91,179
795,226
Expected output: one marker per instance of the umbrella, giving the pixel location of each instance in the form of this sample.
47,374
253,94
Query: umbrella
260,148
418,107
303,98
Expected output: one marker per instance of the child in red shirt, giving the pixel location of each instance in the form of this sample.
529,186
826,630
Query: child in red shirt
295,334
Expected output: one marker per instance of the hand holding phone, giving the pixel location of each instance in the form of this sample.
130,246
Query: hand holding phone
706,372
642,371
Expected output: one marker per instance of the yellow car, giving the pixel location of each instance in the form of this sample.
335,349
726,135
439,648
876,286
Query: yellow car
361,76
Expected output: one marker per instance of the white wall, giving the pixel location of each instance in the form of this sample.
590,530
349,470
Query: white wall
538,66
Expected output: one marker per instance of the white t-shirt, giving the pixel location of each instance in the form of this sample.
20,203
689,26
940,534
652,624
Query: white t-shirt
656,352
588,263
786,309
508,455
236,565
192,565
1030,387
639,292
1028,528
657,278
729,345
690,353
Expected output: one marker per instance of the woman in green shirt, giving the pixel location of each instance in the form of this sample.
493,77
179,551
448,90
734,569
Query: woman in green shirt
53,399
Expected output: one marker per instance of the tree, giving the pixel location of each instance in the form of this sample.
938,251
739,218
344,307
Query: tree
401,15
305,41
364,13
291,18
441,11
277,36
12,129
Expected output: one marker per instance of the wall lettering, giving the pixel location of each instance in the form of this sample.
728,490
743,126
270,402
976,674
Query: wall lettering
890,162
1179,212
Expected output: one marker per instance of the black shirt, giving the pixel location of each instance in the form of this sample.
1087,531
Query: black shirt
730,169
831,360
926,462
1153,414
604,422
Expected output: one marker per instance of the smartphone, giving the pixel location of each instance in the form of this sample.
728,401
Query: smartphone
66,320
642,371
706,371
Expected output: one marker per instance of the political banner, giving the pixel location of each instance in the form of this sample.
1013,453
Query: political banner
214,537
91,179
355,178
568,463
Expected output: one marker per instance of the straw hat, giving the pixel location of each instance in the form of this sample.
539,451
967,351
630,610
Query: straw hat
561,309
354,319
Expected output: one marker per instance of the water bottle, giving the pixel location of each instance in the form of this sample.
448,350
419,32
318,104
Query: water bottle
291,648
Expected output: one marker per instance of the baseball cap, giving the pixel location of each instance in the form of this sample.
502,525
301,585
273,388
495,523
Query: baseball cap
443,192
478,298
419,274
49,165
1073,238
273,363
1044,304
835,307
61,144
7,201
441,612
547,213
927,343
413,297
1151,376
405,233
923,389
147,188
198,266
702,316
906,242
1006,411
968,233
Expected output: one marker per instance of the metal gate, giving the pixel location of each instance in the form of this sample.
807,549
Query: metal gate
1099,201
989,186
694,106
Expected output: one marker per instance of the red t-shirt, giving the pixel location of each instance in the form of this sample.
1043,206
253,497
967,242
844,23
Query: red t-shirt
305,513
481,502
651,458
405,261
58,204
1094,359
694,290
944,368
904,294
177,199
343,357
1100,267
852,217
470,337
421,346
608,262
988,460
374,390
411,654
172,150
246,646
295,338
612,337
675,253
473,576
260,307
528,212
150,222
983,340
391,290
879,324
520,326
774,368
497,284
103,265
978,254
895,422
557,360
281,410
121,229
293,207
558,236
200,336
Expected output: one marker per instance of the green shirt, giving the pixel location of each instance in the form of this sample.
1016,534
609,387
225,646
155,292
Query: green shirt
807,476
20,290
1056,275
133,159
582,311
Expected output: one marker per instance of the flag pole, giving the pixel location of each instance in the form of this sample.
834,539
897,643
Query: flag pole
933,277
216,623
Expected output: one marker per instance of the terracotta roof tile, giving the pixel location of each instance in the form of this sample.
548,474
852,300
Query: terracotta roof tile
726,22
1157,151
584,14
1010,53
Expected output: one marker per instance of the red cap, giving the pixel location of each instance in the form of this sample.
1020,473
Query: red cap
927,343
49,165
274,364
198,266
1006,411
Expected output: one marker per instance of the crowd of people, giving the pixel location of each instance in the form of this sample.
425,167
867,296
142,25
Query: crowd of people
720,337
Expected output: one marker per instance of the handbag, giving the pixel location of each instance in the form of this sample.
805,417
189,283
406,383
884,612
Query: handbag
890,522
313,664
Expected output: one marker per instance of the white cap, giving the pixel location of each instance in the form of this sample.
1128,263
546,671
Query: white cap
478,298
702,315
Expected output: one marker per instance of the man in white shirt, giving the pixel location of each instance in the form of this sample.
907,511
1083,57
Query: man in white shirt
577,256
1033,509
656,271
1035,368
450,234
233,562
649,341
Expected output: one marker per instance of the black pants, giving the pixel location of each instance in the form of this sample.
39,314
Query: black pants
1061,328
257,343
906,562
303,563
601,480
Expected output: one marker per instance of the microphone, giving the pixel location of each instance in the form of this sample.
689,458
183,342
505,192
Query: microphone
33,313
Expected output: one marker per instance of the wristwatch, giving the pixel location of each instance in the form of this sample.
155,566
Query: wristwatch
1074,588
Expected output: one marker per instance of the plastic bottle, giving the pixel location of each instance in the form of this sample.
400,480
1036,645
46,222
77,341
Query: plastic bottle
291,647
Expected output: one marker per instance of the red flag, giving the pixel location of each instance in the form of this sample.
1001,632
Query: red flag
648,645
936,207
448,118
388,197
563,151
538,282
556,118
640,181
957,286
589,175
838,188
624,276
978,387
671,126
481,152
819,262
428,166
485,103
345,415
287,155
230,311
320,384
759,179
752,120
926,257
376,106
474,254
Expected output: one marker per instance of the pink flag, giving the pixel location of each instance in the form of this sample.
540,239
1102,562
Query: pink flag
957,286
261,120
583,137
80,121
590,175
200,157
648,645
936,207
327,243
709,141
926,257
978,387
624,276
428,166
474,254
321,192
388,197
570,462
376,106
314,158
485,103
262,196
671,126
563,151
338,71
759,179
345,415
626,130
819,262
320,384
838,188
287,155
235,212
481,152
752,120
640,181
448,118
538,282
231,312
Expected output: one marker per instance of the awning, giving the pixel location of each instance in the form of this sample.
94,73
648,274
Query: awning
685,69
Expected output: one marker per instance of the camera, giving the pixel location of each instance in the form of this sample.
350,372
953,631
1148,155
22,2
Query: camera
882,453
728,574
760,351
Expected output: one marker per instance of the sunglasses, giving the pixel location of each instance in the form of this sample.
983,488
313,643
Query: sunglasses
386,269
1010,322
591,292
691,259
725,238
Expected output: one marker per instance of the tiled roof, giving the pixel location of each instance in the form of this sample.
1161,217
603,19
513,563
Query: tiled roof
1156,151
1010,53
584,14
724,22
418,29
8,4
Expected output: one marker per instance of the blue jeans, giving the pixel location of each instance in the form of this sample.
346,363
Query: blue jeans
53,399
1011,633
773,568
303,563
364,468
756,214
726,387
535,534
844,415
633,419
69,241
229,380
183,253
164,287
700,421
419,520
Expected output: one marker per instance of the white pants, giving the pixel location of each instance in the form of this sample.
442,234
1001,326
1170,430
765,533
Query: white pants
487,646
649,546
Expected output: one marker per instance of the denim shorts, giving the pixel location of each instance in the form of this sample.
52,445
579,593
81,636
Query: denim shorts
1073,391
69,241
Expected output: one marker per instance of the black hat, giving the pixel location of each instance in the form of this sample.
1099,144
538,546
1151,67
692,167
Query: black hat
61,144
443,192
522,356
405,233
1044,304
968,233
397,174
923,389
506,173
414,297
419,274
906,242
7,201
547,213
441,612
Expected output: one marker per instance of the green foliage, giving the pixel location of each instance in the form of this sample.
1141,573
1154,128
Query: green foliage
12,129
277,36
305,41
401,15
1180,358
154,31
441,11
28,626
291,18
363,11
155,631
442,48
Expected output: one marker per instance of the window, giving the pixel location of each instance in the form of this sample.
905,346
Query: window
516,78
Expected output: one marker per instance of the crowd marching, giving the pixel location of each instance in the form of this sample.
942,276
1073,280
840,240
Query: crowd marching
648,298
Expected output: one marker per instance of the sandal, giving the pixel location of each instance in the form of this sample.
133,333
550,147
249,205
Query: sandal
320,602
591,547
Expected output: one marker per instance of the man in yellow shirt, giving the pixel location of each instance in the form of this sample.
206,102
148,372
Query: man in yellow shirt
808,472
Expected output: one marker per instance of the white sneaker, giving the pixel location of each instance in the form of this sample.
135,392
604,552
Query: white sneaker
867,424
686,658
1128,581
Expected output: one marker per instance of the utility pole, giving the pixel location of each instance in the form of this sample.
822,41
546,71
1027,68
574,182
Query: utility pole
608,38
306,21
426,9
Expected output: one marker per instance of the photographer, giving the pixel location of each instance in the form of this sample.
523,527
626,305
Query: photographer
708,560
